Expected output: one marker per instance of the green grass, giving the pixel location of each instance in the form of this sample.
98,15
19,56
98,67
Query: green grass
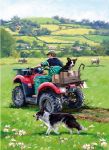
97,38
51,27
75,31
35,139
42,20
28,39
66,39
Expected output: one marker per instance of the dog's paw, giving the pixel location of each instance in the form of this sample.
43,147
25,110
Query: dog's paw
78,132
47,133
57,133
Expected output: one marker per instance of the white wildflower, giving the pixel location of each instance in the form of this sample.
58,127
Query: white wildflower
20,132
87,147
102,140
11,144
94,144
7,137
103,144
65,139
62,141
5,130
7,126
22,145
91,126
13,140
14,130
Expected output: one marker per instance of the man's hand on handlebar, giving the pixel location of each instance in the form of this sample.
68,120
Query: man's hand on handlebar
38,66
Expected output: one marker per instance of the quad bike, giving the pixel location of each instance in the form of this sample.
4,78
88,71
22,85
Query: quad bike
50,95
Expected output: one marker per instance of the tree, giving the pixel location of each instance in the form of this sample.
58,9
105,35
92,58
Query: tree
105,46
7,43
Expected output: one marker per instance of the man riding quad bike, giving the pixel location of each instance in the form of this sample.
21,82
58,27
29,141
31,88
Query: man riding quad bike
37,88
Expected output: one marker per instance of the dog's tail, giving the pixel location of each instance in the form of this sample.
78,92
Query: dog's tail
79,69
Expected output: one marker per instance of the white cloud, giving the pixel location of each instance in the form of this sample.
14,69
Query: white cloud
48,8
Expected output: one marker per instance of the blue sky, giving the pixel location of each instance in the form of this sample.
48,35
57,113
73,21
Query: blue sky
74,9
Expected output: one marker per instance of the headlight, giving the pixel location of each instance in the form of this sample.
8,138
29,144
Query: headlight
62,89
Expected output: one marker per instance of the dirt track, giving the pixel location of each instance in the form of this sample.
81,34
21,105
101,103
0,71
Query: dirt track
92,114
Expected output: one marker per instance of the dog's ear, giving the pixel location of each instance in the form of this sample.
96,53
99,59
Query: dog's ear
74,60
68,59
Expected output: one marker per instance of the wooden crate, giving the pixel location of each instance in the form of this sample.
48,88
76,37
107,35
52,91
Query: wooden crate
66,77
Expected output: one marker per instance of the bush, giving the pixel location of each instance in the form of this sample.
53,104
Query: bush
31,54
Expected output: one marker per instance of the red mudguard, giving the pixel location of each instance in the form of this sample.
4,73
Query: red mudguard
49,85
22,79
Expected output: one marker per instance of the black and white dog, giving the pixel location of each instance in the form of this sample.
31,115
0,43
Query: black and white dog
70,63
53,120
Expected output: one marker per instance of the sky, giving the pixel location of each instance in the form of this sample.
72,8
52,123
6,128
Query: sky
72,9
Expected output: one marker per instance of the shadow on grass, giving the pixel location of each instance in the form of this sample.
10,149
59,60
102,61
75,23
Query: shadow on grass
4,134
43,133
95,66
27,107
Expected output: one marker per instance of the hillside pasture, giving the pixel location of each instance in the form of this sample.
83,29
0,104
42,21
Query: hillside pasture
74,25
42,20
11,32
27,39
51,27
75,31
66,39
97,38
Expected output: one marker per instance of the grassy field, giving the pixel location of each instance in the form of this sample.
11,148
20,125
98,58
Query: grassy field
67,39
97,38
74,31
42,20
62,33
51,27
19,130
27,39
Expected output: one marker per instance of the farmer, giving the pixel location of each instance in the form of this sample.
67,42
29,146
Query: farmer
52,60
54,65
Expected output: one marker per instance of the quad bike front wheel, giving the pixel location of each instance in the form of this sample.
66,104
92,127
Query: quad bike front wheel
76,99
50,102
18,96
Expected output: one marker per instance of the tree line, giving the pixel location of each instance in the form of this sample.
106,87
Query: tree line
93,24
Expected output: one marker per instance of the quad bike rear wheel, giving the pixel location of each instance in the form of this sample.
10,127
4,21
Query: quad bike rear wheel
76,99
50,102
18,96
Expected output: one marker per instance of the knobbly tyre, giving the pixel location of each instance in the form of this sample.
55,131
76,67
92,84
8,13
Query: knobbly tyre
50,95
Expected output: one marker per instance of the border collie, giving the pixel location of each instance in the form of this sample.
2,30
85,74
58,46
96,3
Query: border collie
53,120
70,63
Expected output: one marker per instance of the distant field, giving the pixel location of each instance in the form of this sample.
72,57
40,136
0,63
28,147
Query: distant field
52,39
66,39
42,20
50,27
11,32
62,34
97,38
75,25
74,31
28,39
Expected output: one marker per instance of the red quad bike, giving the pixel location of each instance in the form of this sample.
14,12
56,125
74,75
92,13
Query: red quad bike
50,95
